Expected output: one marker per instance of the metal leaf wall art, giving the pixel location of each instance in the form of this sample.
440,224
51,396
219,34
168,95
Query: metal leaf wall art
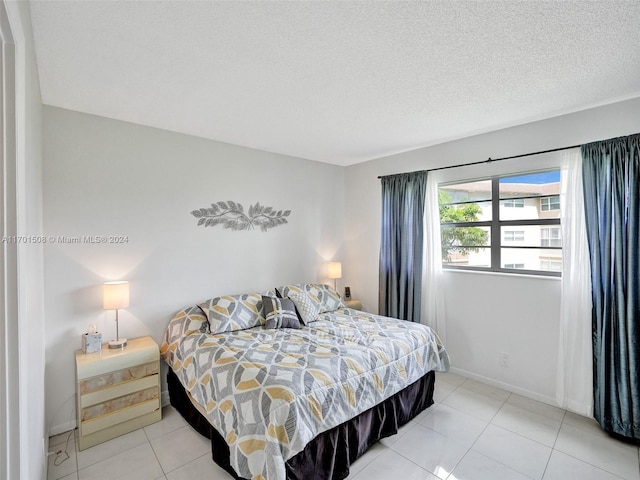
231,215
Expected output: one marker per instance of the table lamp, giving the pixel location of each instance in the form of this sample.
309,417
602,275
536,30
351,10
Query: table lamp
334,270
115,295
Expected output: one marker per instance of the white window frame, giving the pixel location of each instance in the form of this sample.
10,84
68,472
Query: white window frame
516,236
551,260
550,238
547,205
514,266
513,202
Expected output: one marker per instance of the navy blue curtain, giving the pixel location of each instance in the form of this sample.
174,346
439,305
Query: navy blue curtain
611,177
401,245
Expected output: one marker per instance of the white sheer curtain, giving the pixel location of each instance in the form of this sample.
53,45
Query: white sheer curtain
432,280
574,386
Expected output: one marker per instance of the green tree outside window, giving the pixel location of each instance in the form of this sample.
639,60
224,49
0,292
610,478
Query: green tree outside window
459,240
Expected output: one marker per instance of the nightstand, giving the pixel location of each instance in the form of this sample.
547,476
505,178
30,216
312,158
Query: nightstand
355,304
118,390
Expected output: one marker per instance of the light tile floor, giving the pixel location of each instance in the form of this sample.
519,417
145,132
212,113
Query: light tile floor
473,432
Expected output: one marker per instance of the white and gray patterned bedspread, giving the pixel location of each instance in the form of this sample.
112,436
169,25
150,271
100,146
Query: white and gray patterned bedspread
268,392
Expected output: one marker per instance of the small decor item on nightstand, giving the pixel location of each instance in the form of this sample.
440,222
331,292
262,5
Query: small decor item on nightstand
92,340
347,293
115,297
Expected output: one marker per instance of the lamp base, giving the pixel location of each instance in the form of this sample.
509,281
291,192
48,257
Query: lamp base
118,343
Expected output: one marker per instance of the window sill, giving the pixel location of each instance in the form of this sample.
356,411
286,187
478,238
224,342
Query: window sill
500,274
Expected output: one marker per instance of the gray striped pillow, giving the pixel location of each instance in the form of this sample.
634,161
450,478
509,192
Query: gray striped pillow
280,313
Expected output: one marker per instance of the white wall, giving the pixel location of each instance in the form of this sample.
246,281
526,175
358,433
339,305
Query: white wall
105,177
33,435
480,307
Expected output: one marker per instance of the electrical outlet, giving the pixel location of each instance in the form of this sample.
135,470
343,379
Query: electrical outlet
504,359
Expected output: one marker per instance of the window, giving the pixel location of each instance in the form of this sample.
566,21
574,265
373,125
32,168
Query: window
496,224
514,203
553,264
513,236
550,203
550,237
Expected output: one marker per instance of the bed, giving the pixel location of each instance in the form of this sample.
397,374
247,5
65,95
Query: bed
297,386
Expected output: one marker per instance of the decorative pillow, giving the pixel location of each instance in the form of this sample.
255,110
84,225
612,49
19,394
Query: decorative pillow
280,313
307,308
186,322
234,312
324,296
330,300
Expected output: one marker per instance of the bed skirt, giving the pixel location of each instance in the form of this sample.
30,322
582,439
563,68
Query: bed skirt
331,453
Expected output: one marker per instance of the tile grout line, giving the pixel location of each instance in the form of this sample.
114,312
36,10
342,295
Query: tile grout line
503,464
490,422
155,455
553,447
411,461
485,429
588,462
455,388
470,447
527,438
482,432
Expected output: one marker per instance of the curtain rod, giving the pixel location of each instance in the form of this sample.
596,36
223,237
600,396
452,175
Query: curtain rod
489,160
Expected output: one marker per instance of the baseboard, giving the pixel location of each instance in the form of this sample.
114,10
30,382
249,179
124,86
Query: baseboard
45,458
61,428
505,386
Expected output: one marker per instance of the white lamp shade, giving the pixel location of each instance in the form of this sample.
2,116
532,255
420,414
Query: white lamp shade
334,270
115,295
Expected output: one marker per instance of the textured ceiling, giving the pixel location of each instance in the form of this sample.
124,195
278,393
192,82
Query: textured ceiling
339,82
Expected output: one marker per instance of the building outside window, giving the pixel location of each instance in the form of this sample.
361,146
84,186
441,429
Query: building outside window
550,203
550,237
514,265
503,223
513,203
513,236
